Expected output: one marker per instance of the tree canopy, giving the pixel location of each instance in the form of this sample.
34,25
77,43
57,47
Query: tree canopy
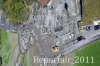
16,11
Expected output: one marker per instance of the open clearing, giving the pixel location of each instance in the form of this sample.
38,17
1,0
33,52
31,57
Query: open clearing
91,11
89,51
9,48
6,48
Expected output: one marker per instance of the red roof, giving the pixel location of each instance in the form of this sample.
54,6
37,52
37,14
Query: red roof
43,2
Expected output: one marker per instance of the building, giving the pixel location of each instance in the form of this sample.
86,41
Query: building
43,2
97,22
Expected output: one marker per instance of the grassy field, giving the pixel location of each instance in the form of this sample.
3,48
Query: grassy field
9,47
24,61
89,51
0,43
5,49
91,11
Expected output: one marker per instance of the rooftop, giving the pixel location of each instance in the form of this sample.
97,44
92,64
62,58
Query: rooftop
43,2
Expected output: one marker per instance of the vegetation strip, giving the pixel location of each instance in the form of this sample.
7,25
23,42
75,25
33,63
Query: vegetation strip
90,55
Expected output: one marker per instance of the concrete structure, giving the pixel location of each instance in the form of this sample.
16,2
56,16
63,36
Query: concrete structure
97,22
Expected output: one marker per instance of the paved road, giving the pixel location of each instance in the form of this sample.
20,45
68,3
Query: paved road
6,26
80,44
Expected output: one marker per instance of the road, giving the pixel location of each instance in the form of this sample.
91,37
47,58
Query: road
90,36
5,25
80,44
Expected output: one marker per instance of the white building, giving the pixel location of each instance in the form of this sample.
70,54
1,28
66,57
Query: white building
96,22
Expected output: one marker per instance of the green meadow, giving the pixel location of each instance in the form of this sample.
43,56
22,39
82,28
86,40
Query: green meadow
5,47
91,51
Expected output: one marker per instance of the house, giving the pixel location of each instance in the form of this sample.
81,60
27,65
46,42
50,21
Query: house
43,2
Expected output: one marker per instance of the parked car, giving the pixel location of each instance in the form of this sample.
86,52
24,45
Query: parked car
88,28
80,38
96,27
